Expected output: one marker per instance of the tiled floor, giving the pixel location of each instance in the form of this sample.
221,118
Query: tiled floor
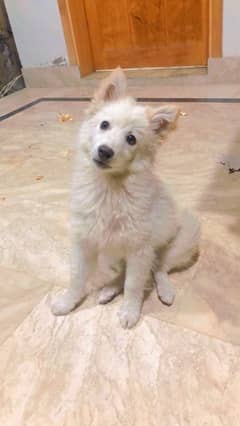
180,365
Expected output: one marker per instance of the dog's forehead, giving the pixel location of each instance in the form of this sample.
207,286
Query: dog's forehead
122,111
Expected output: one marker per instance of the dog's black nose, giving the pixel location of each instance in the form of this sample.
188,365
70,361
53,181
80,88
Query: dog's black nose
105,153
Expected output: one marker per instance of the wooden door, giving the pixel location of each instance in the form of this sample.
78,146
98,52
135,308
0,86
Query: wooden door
148,33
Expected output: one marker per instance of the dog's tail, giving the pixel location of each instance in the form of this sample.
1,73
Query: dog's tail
184,247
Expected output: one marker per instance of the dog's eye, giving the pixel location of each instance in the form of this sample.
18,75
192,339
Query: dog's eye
104,125
131,140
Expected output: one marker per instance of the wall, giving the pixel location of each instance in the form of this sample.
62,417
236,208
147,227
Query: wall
38,32
231,28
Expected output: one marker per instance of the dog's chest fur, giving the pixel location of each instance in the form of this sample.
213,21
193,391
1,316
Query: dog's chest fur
111,214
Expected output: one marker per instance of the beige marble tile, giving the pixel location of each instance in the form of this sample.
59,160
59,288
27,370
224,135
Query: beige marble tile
34,190
33,211
19,294
34,214
84,369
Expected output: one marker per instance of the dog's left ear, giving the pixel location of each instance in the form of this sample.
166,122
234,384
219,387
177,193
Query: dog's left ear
163,118
112,87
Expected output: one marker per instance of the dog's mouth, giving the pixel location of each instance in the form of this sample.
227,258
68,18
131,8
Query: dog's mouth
101,164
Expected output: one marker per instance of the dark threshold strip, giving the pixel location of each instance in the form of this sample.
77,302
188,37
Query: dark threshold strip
17,110
87,99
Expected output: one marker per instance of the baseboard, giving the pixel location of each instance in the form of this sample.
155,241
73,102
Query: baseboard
220,70
52,76
224,70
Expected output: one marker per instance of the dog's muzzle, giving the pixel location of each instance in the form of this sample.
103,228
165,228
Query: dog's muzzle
105,153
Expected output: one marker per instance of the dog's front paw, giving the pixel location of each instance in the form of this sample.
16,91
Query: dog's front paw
129,315
63,304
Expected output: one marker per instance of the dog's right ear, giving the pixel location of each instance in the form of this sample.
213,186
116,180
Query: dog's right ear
163,118
112,87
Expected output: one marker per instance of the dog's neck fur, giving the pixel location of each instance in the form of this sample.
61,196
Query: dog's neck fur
110,208
94,188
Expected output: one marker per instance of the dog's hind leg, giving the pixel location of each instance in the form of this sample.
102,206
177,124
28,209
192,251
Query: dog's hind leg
178,254
184,246
164,288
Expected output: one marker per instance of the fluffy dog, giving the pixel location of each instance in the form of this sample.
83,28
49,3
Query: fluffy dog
122,216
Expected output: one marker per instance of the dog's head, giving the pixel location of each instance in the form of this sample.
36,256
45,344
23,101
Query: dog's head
122,135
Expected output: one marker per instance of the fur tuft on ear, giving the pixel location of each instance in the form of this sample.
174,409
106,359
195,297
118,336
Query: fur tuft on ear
112,87
163,118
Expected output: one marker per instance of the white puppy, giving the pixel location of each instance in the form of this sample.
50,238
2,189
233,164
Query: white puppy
122,215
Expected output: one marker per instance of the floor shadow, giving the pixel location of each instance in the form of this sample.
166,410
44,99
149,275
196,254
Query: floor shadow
223,192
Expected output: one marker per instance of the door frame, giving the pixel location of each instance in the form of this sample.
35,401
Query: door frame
78,42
